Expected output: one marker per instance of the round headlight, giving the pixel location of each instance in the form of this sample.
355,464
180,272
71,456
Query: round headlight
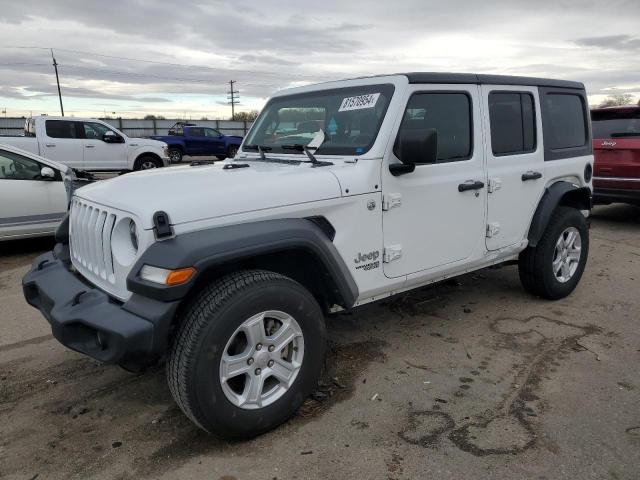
133,234
125,241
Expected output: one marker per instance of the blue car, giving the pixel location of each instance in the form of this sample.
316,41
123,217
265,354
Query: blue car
194,140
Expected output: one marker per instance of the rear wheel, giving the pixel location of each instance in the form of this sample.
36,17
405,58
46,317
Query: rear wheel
554,267
248,352
175,155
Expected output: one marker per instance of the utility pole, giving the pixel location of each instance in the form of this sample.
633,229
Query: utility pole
233,97
55,66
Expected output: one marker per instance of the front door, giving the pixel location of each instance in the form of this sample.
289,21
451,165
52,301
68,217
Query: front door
100,155
515,161
435,215
215,141
29,204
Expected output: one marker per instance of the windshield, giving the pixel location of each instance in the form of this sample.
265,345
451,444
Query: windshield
349,117
612,124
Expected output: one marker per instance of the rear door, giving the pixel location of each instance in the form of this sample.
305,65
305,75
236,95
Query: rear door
29,204
616,144
63,142
515,161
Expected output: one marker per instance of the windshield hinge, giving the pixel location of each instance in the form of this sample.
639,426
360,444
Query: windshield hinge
391,253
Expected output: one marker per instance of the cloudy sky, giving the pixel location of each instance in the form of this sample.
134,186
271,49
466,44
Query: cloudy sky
174,58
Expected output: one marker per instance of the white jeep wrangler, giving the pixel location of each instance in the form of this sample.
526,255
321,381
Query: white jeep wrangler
342,194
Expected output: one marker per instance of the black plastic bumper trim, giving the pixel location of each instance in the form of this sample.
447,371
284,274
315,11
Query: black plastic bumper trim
87,320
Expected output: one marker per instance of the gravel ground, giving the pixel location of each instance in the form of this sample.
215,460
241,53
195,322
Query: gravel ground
470,379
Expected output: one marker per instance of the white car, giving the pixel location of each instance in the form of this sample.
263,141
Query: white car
89,144
388,184
34,194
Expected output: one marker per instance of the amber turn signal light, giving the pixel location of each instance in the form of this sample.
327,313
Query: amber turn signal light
180,276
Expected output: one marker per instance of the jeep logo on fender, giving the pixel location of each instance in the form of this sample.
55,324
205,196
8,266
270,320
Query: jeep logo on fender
608,144
366,257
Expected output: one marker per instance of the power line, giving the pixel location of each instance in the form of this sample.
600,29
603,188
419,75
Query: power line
157,62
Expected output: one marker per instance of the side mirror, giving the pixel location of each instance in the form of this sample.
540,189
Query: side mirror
415,147
47,173
110,137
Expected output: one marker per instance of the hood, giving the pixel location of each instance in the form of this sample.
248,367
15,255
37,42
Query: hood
189,193
147,142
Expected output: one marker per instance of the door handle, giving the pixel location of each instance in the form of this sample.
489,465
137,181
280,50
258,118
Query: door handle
49,144
89,146
531,175
470,185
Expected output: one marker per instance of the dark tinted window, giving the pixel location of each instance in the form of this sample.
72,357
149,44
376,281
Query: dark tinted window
564,116
513,128
61,129
447,113
196,132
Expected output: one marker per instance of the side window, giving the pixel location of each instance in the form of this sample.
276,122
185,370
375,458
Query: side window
565,116
210,132
17,167
196,132
94,131
61,129
447,113
512,123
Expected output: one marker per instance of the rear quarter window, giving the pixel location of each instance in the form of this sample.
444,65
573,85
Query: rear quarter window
565,124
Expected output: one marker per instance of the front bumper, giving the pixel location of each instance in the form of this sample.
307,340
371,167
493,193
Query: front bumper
87,320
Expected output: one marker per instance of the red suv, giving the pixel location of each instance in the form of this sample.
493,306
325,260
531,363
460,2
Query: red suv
616,146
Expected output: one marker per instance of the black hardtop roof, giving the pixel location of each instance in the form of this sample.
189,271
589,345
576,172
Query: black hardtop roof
478,78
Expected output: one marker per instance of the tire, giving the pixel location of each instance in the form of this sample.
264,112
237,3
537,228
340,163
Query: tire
538,266
175,155
147,162
212,322
231,151
221,157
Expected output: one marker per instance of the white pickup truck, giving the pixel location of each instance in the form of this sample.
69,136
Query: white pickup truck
88,144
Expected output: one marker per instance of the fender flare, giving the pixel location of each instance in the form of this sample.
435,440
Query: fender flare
552,197
214,247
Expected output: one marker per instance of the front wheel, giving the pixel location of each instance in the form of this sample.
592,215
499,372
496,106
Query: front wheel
231,151
247,353
554,267
147,163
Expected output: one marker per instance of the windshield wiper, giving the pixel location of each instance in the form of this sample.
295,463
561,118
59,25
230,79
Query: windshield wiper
303,148
260,149
265,148
625,134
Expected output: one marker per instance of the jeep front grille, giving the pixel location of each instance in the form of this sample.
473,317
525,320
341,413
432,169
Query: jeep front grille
90,240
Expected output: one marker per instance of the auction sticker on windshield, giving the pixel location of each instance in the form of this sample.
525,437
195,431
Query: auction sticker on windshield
360,102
